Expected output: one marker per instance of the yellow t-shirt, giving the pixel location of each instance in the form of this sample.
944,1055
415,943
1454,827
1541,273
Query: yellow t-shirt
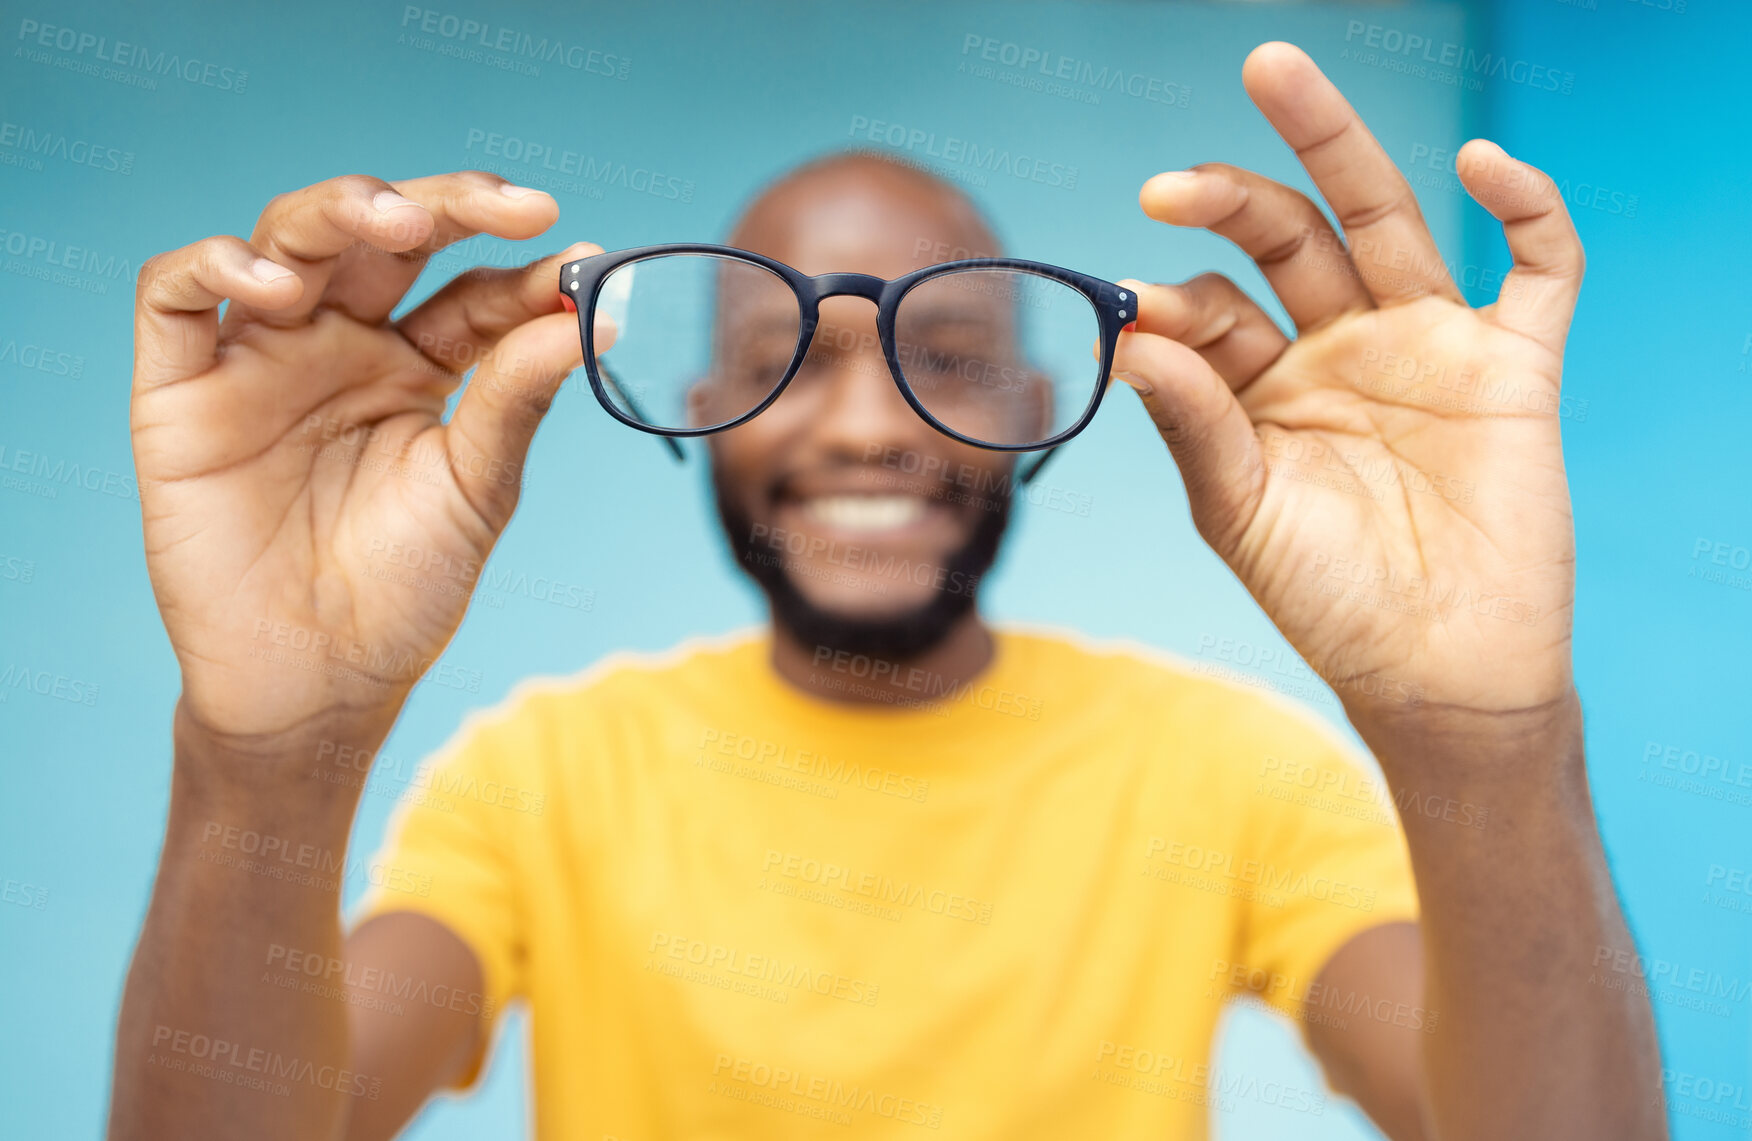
1012,911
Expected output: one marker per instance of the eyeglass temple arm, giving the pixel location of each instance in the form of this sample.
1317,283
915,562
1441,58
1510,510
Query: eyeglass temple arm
613,382
1034,468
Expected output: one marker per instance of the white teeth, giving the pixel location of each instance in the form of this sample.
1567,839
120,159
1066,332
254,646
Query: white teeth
864,512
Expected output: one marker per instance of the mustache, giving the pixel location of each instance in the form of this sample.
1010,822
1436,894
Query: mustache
898,637
891,470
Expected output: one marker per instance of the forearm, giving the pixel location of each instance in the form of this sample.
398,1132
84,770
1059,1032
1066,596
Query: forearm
1517,916
208,1044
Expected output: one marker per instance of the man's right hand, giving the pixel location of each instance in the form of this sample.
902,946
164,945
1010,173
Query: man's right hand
292,458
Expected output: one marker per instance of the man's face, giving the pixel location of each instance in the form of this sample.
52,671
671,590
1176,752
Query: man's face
867,528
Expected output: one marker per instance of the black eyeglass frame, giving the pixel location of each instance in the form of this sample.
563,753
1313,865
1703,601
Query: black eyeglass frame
582,280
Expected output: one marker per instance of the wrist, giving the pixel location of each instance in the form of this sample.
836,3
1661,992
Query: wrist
1477,744
320,763
1490,794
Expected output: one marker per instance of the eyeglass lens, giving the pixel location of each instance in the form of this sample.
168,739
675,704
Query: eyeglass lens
1002,356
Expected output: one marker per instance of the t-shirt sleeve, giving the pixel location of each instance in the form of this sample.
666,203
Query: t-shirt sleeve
1331,859
449,854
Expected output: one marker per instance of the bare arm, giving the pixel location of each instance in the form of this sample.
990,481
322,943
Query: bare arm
210,1044
1376,1059
1516,916
1389,485
289,457
242,976
420,1047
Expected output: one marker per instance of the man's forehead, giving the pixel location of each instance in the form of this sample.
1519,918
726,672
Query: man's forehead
861,217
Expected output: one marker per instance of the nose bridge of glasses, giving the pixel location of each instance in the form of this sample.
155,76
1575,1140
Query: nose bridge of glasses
862,285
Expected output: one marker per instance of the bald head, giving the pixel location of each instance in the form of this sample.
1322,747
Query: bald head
859,212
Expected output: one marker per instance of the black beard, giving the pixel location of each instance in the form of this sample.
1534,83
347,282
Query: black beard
895,638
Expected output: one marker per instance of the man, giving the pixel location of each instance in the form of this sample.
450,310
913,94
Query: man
743,898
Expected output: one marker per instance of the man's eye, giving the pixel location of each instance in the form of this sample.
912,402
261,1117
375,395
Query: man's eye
760,361
948,353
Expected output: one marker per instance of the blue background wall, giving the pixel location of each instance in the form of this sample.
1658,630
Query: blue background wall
1662,350
1650,137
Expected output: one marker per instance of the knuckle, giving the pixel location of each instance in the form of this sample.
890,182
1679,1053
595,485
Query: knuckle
1285,248
541,266
202,258
1366,214
1307,206
176,290
163,274
151,270
346,196
1210,283
218,246
355,186
279,203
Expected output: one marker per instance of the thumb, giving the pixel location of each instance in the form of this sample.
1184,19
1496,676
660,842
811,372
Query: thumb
512,388
1205,428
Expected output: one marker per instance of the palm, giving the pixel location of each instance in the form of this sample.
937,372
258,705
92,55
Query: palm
1411,528
321,448
313,528
1389,483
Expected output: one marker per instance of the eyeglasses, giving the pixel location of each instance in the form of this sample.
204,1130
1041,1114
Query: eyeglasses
994,352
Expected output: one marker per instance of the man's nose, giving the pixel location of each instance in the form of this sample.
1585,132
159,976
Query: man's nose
858,403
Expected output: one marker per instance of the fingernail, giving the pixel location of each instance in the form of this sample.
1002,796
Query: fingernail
267,272
1179,174
387,200
512,190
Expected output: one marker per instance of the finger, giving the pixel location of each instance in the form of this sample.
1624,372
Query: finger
307,230
1389,242
460,323
177,299
1282,230
371,281
1538,297
1212,440
1213,315
512,388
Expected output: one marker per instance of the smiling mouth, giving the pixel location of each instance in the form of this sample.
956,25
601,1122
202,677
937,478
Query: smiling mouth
870,514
